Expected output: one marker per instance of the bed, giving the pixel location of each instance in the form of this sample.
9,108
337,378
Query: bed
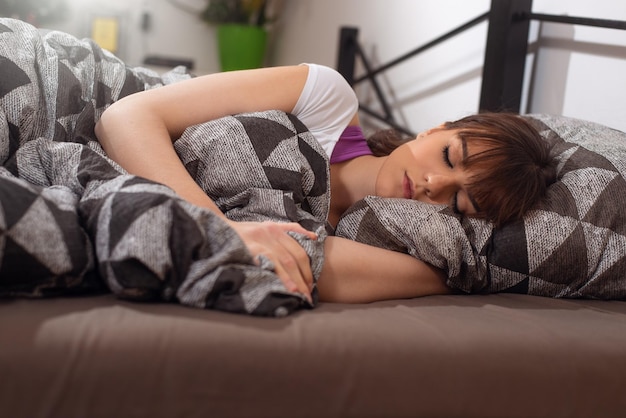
542,342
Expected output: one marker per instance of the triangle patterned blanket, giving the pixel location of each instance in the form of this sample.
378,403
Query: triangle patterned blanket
72,221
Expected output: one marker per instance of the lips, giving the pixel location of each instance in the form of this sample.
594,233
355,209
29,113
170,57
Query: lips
407,187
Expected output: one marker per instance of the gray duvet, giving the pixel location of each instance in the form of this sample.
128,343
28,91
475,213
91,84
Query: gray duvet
72,221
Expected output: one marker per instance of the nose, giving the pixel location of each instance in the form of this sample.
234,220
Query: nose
439,187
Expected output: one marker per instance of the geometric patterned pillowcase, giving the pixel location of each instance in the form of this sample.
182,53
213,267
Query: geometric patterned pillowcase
572,245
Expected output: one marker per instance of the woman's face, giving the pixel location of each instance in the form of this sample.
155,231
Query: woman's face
429,169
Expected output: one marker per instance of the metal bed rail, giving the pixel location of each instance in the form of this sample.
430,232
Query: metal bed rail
504,62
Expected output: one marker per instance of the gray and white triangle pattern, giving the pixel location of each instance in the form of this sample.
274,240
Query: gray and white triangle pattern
45,251
73,221
573,245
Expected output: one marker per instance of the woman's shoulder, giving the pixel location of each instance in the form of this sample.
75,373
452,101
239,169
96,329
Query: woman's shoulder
329,79
326,105
326,92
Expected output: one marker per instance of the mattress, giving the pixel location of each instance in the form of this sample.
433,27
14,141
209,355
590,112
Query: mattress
483,355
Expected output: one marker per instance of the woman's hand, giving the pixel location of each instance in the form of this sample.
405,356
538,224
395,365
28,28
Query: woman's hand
272,241
138,133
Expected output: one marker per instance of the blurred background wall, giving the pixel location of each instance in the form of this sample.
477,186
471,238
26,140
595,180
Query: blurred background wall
164,28
574,73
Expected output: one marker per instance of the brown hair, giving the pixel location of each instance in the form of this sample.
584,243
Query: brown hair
383,142
513,171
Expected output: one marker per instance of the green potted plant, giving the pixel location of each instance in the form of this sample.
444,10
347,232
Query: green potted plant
241,31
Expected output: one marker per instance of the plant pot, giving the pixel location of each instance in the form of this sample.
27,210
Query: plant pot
241,47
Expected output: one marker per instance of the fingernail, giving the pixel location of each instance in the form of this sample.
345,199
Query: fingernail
291,286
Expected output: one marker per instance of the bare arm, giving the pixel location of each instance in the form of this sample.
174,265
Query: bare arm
138,130
138,133
359,273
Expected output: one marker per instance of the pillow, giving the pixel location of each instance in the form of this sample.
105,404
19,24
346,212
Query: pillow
572,245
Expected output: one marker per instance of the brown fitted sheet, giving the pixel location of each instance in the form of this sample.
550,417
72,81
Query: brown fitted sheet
438,356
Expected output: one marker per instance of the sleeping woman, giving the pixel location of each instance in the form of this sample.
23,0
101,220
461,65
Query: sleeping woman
492,166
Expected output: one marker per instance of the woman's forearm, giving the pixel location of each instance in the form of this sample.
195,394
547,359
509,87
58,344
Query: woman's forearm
359,273
141,144
138,131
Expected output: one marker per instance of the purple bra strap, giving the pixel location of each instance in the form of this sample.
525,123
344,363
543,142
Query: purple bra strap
351,144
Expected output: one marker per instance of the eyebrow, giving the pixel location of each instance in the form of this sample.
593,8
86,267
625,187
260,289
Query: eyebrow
469,196
464,146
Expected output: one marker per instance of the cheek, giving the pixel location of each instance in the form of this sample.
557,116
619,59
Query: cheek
415,148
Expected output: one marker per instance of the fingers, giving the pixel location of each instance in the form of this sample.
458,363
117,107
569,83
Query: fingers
290,261
293,264
296,227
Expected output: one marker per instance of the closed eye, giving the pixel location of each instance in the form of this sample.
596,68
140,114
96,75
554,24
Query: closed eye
446,156
446,159
454,204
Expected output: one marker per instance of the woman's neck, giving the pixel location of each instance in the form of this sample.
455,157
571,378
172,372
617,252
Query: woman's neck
351,181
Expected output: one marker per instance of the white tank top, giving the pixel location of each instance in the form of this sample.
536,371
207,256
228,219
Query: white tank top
326,105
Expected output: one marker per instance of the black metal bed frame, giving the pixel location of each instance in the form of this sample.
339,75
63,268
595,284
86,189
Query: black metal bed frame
504,63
